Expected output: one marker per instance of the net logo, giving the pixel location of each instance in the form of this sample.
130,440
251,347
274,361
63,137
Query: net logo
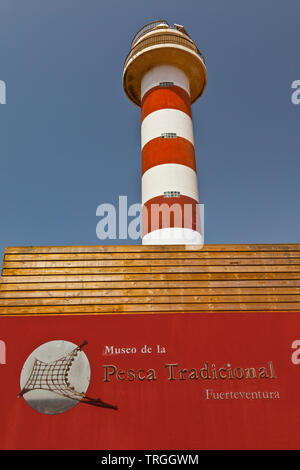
55,378
2,352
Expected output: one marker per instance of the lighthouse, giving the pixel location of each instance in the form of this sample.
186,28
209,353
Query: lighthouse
164,73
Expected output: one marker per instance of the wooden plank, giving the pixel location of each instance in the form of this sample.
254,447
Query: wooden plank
153,277
147,300
150,263
66,286
200,254
151,248
152,269
150,279
73,293
150,308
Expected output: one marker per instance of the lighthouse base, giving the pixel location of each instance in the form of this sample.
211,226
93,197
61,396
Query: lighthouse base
173,236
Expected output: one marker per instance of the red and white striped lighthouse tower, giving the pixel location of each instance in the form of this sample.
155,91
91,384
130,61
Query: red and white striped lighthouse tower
165,73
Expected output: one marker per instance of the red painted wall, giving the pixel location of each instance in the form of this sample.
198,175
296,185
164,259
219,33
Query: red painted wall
162,413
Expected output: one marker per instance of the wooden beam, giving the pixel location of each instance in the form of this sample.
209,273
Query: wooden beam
146,255
186,268
149,300
152,277
153,285
155,293
151,263
151,248
150,308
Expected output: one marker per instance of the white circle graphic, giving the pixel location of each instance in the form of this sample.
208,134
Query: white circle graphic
54,377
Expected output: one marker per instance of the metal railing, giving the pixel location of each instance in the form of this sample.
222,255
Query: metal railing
148,27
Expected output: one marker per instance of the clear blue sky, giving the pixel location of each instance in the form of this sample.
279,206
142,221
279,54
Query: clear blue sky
70,139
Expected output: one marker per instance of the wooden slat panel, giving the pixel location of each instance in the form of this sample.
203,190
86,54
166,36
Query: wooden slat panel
149,279
151,248
150,308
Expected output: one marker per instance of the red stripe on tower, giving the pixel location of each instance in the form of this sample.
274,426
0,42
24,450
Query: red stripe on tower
164,77
160,150
166,96
173,212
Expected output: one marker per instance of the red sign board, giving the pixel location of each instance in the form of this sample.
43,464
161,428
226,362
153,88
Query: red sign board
163,381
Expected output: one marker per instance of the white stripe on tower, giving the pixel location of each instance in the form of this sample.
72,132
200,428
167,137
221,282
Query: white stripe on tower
173,236
164,74
169,177
166,121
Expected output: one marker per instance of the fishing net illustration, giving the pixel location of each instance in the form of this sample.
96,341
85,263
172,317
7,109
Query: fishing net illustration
54,377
